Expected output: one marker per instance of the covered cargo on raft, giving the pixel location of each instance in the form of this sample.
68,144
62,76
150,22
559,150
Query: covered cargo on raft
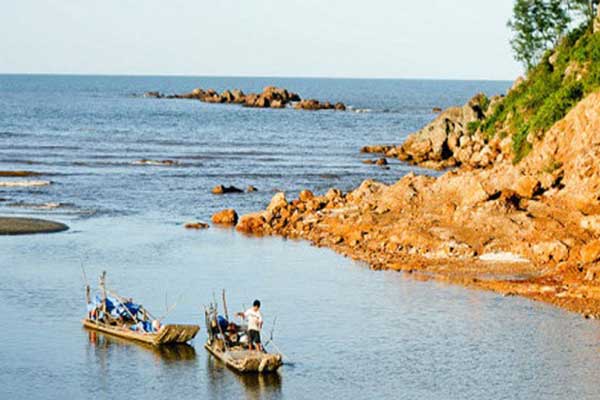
115,315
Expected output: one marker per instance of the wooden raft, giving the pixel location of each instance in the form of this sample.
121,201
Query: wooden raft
167,334
243,360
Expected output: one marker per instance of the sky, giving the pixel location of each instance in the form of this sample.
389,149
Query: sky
432,39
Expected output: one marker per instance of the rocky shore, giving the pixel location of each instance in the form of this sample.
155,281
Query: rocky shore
531,229
271,97
451,139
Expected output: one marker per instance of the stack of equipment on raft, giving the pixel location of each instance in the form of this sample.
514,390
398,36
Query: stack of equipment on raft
113,314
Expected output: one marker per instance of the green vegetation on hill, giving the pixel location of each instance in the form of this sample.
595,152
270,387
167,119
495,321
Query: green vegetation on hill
561,79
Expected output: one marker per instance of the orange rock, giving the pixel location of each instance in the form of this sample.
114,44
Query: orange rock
225,217
278,201
527,186
254,223
305,195
196,225
590,252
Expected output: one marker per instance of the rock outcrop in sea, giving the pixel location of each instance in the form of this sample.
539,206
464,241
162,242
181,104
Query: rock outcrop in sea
271,97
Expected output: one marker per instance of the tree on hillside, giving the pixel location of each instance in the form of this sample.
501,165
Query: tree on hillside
537,26
585,8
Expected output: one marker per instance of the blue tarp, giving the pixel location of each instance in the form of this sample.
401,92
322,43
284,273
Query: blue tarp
117,309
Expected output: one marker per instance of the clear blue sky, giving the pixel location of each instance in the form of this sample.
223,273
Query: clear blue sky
460,39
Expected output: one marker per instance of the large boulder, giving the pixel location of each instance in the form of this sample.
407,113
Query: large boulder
225,217
308,104
254,223
238,96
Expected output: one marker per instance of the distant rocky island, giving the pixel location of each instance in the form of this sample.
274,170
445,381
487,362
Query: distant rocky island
271,97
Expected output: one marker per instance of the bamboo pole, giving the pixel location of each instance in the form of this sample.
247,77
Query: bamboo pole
103,288
225,306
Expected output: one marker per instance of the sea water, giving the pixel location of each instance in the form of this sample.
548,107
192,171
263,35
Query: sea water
346,331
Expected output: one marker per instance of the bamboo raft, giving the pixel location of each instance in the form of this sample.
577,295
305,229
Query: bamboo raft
122,318
242,359
166,335
229,349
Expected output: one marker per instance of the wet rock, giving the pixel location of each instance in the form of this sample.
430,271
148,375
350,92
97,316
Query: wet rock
436,110
225,217
251,189
340,106
196,225
381,162
221,189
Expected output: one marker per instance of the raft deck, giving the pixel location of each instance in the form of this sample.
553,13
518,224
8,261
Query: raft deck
244,360
167,334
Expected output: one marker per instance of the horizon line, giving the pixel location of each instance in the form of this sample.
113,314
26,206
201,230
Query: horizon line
249,76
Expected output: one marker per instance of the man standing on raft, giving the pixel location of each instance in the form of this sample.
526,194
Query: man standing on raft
255,323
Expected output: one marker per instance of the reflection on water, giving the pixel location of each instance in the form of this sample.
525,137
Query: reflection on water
352,332
255,386
102,343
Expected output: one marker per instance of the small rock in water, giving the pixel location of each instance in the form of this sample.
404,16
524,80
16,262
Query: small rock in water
225,217
251,188
437,109
154,95
220,189
196,225
381,162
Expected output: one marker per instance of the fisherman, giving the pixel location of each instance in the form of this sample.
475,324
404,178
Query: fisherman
255,323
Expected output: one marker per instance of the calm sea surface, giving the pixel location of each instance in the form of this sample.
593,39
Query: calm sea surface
346,331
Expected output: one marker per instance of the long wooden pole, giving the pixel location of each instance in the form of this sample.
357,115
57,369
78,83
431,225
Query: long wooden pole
103,288
225,306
